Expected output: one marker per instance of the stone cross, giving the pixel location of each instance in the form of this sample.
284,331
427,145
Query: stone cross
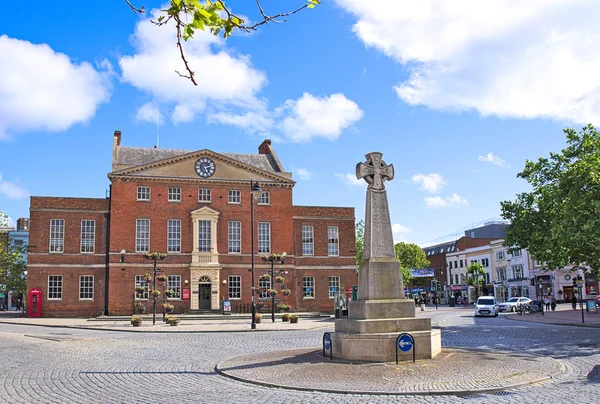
375,171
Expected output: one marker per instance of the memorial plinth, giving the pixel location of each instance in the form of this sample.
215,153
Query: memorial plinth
382,311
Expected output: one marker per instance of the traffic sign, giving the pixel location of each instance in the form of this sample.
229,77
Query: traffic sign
327,345
580,283
327,340
405,343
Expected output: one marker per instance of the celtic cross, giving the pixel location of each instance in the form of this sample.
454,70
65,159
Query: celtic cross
375,171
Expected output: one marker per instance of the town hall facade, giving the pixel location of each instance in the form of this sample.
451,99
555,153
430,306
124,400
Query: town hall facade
86,254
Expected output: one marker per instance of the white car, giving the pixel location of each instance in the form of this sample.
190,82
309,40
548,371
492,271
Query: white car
512,303
486,306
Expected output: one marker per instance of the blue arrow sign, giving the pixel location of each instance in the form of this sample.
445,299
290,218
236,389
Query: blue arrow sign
327,341
405,343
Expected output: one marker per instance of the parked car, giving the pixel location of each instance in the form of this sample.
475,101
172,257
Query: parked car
486,306
511,304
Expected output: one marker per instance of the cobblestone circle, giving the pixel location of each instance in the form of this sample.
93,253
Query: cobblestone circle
55,365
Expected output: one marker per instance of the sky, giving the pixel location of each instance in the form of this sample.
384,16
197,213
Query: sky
456,95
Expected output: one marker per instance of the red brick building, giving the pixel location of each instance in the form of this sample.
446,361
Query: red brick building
195,207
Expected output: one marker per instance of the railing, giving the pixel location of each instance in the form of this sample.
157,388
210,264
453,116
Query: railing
202,258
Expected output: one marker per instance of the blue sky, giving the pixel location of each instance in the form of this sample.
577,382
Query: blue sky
456,95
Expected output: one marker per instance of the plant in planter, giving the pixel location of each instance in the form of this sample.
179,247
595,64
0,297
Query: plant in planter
161,278
258,318
273,257
140,308
169,308
271,292
154,256
294,319
169,293
279,279
140,290
136,321
283,307
172,320
287,292
264,277
285,317
155,293
148,277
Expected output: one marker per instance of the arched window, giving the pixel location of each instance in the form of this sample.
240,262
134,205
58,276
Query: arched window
204,279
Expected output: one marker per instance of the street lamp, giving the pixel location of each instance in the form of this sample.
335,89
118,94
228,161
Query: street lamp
154,256
255,192
506,275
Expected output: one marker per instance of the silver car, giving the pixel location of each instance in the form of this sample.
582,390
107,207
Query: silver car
512,303
486,306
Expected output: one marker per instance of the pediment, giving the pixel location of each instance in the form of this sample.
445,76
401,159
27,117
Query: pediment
205,211
182,167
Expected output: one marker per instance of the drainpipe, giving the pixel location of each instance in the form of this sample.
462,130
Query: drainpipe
107,258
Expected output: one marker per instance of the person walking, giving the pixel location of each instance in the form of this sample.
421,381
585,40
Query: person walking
547,302
553,303
574,302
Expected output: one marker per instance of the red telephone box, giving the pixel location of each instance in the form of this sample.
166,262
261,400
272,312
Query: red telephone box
35,302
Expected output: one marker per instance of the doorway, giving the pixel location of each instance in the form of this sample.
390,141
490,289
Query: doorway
204,292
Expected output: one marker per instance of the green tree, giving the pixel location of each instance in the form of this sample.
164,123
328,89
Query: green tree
214,16
410,256
360,242
558,221
476,276
12,263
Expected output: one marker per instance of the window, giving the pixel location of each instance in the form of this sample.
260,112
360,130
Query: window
174,235
57,235
142,235
86,287
517,271
263,285
203,195
143,193
461,263
501,272
333,241
307,240
174,284
517,253
141,283
88,228
264,237
485,262
455,264
204,236
234,196
308,287
456,279
174,194
235,286
499,255
55,287
234,230
334,286
264,198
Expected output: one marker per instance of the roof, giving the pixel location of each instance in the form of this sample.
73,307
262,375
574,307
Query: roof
136,156
440,248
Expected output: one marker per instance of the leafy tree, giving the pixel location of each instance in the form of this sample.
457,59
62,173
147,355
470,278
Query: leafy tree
12,263
189,16
410,256
476,276
360,242
558,221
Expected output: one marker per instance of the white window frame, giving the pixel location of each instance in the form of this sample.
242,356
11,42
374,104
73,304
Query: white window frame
142,241
174,235
174,284
308,240
234,234
57,236
308,287
500,255
143,193
174,194
334,282
264,237
234,284
264,284
234,196
204,195
264,198
55,288
140,282
88,236
86,285
204,236
517,253
333,241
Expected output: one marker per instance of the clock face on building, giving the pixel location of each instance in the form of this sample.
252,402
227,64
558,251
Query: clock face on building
205,167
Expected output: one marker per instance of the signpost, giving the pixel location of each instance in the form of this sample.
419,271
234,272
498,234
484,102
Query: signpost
327,346
405,342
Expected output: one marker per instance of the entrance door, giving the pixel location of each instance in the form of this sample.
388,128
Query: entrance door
204,295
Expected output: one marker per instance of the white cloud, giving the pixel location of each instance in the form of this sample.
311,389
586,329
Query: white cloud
400,232
310,117
510,58
432,183
304,174
439,202
149,113
492,159
252,121
224,78
42,90
11,190
350,179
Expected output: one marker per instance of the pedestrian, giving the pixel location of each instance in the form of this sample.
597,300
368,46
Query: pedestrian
553,303
547,302
18,304
574,302
466,301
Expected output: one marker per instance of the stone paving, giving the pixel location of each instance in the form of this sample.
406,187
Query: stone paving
72,365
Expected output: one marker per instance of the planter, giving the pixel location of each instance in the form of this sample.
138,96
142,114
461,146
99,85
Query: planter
294,319
174,323
136,323
258,319
285,318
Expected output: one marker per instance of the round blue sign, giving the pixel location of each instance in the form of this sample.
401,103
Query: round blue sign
327,341
405,343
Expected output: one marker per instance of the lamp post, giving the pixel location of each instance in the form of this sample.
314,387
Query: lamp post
507,278
273,258
255,192
155,256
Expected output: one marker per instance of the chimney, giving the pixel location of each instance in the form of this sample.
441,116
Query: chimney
265,147
23,224
116,145
117,138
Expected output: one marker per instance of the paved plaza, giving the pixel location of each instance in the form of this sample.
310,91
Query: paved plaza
98,365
